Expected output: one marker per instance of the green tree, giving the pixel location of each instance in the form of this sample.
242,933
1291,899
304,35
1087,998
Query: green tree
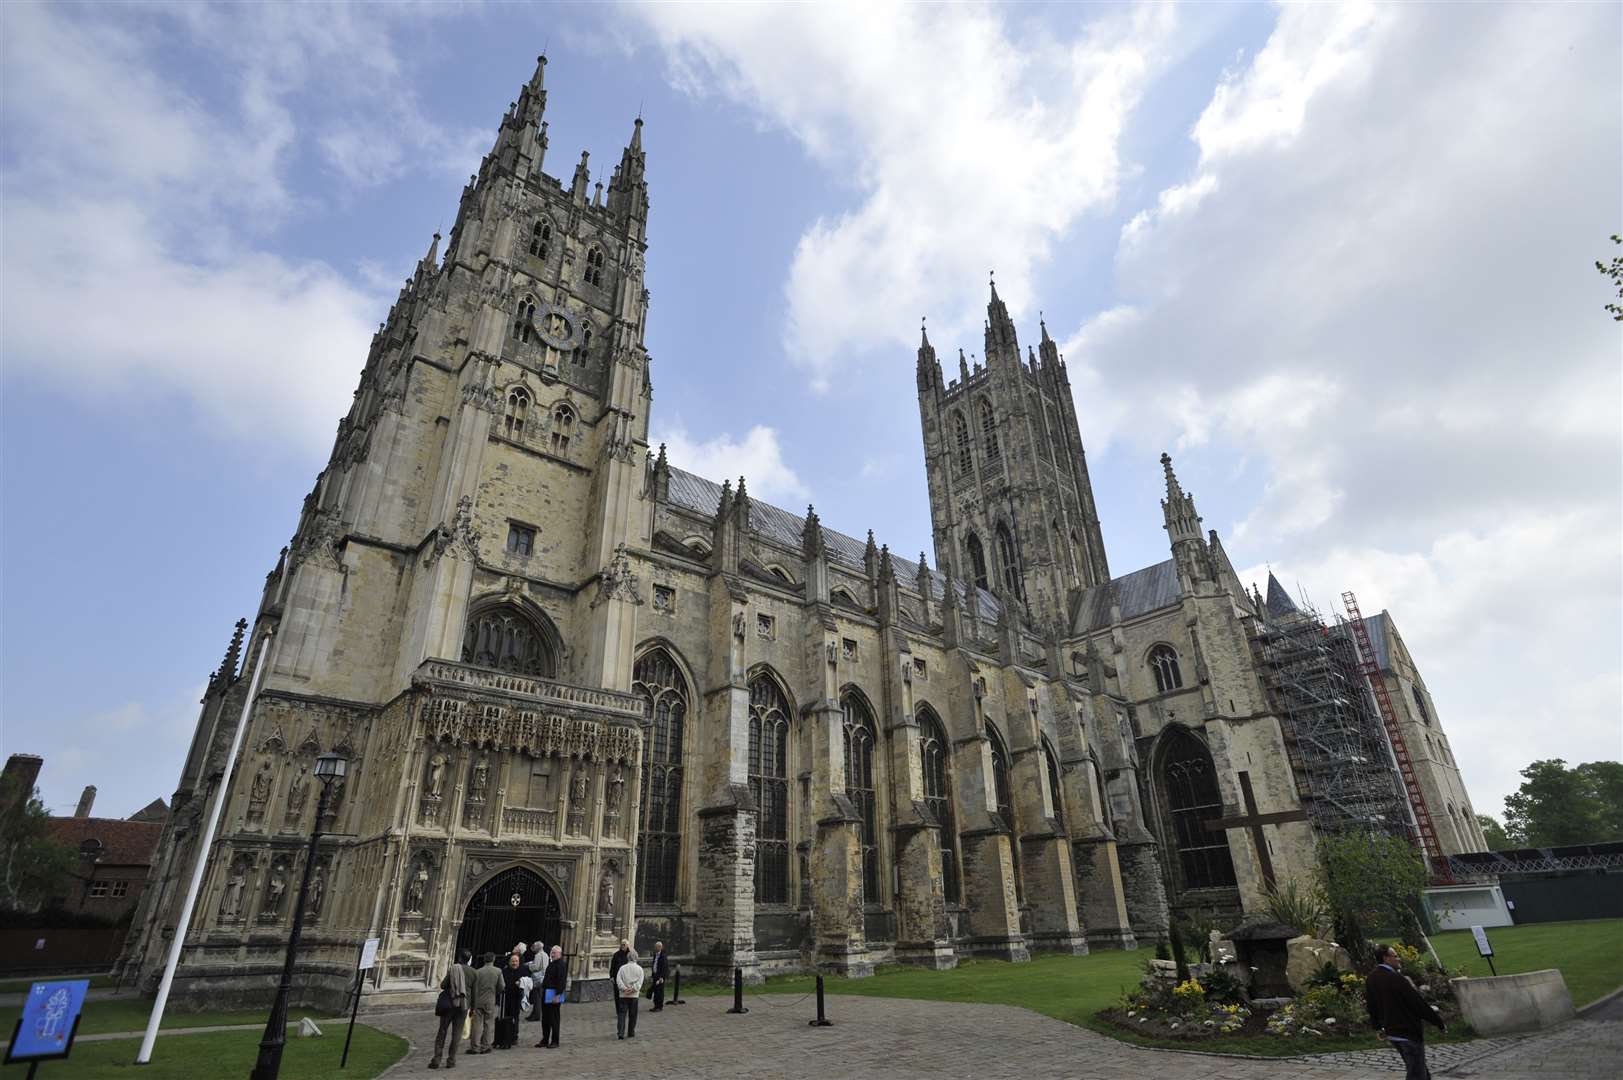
33,867
1556,805
1371,883
1614,270
1498,839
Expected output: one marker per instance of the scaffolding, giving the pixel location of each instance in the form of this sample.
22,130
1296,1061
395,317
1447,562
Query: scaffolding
1333,731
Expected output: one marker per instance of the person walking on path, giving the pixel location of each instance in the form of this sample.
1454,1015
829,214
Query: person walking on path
487,992
512,994
627,989
615,961
455,986
553,985
538,969
1397,1012
659,971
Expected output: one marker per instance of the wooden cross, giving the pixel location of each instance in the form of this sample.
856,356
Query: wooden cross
1254,822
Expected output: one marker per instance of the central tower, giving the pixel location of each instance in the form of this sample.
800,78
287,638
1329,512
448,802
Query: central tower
1011,505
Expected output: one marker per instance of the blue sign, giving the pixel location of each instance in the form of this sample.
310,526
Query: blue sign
50,1018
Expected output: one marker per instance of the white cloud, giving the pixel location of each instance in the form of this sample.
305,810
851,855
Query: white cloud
1377,288
137,209
968,147
757,457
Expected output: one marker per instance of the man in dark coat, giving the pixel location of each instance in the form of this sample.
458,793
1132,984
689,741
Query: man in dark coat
556,980
1397,1011
616,962
659,968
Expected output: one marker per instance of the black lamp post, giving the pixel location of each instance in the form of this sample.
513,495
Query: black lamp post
329,767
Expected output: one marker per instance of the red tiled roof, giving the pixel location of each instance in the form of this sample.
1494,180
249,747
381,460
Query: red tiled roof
124,843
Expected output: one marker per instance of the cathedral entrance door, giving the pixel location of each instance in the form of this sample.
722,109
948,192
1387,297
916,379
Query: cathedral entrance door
516,905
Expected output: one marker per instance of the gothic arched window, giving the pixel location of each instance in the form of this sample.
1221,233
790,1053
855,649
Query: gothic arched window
935,757
541,239
769,784
1420,705
988,430
977,561
659,682
1005,801
1164,664
1006,559
518,410
585,343
1051,762
1192,799
524,320
563,428
960,439
595,261
859,785
504,638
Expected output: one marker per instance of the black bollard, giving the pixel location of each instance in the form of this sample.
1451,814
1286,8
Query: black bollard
821,1021
738,992
676,990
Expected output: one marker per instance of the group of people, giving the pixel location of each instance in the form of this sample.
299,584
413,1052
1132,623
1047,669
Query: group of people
492,997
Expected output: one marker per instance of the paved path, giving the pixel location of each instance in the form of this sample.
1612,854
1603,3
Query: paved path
905,1039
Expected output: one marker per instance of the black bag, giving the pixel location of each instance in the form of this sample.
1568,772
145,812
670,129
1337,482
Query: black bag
442,1005
506,1031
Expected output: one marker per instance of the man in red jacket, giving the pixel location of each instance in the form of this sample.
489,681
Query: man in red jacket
1397,1011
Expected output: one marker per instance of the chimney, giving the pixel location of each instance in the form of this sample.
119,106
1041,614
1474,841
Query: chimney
18,780
86,800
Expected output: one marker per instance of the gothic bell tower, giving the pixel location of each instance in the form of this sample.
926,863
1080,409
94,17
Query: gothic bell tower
1011,505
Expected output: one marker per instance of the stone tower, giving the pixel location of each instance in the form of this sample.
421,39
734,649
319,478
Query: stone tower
1011,505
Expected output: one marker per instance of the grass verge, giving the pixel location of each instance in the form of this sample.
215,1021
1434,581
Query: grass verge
226,1053
130,1014
1588,952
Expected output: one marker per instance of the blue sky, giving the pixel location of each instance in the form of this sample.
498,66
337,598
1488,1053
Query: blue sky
1336,259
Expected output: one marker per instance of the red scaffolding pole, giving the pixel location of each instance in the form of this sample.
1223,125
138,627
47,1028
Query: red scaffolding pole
1400,751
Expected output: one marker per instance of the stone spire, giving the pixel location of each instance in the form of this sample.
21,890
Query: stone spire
1182,521
1000,336
233,653
811,534
582,181
1279,601
929,371
628,188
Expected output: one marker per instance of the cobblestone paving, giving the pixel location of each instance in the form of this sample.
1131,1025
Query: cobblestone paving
897,1038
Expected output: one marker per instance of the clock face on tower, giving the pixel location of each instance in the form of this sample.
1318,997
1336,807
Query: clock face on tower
556,328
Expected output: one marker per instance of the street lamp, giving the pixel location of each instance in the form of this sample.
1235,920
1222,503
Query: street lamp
329,767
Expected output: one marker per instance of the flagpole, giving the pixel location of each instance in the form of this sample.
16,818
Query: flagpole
144,1057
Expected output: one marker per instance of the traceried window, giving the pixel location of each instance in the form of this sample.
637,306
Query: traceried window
1164,665
977,561
1192,800
563,428
1051,762
935,757
769,784
524,320
960,441
584,349
518,411
658,681
1420,705
1007,561
988,430
541,239
595,262
1005,801
859,785
504,638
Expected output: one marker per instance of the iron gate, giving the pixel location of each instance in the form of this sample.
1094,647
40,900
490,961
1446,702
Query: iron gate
516,905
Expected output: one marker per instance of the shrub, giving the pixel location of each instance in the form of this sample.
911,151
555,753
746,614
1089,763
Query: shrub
1327,975
1189,995
1298,905
1222,987
1161,952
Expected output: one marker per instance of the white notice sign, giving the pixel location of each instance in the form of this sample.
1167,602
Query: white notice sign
1482,946
369,954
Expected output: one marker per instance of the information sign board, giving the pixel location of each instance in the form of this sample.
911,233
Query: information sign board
369,954
1482,946
49,1021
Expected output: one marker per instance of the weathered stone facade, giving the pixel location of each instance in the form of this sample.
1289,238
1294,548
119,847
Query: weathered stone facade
664,709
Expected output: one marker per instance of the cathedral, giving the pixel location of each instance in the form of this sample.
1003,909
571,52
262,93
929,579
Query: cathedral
585,694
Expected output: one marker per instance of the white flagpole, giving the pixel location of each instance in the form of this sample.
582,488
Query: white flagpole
151,1036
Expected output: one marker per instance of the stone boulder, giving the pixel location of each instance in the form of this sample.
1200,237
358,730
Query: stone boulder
1306,956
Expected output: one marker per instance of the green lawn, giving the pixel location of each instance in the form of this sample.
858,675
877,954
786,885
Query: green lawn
226,1053
130,1014
1074,988
1589,953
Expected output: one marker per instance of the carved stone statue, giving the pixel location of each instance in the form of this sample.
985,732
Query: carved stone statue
296,792
231,900
259,793
318,888
275,888
481,779
436,775
580,790
605,894
417,890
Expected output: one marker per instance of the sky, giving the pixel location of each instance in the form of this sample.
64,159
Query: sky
1338,260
